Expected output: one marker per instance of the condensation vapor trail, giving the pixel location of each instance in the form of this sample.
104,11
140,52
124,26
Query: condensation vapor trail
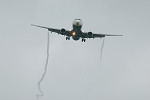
98,75
45,70
101,54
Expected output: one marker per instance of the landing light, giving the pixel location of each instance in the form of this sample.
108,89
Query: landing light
73,33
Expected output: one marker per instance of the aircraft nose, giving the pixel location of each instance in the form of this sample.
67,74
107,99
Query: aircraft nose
77,22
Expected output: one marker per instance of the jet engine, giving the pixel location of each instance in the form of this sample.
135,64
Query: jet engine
63,31
90,34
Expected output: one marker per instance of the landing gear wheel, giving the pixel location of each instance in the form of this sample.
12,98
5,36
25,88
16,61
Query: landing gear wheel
83,40
67,38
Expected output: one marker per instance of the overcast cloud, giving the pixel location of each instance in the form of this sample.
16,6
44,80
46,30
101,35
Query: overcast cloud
74,71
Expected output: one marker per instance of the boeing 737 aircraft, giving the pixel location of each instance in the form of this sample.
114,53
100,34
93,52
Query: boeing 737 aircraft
76,33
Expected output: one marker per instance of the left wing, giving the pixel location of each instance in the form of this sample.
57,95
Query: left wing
103,35
94,35
64,32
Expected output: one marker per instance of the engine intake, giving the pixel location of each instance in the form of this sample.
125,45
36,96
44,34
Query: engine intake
90,34
62,31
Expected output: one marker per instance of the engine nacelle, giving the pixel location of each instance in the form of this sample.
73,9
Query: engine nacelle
90,34
62,31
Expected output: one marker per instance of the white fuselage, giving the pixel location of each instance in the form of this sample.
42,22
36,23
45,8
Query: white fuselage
77,24
76,31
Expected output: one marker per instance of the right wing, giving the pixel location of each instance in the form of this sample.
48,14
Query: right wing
68,33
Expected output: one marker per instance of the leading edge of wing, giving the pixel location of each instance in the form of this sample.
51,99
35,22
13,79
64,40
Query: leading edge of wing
103,35
40,26
50,29
68,33
110,35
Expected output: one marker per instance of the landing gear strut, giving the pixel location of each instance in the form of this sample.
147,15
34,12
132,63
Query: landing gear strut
67,38
83,40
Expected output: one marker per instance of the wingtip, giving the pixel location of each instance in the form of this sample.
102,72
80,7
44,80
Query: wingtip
119,35
32,24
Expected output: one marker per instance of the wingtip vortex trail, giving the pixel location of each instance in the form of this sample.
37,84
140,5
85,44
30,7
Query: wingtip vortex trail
45,70
101,53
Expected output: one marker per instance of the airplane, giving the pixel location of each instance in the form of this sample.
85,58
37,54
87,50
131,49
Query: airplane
76,33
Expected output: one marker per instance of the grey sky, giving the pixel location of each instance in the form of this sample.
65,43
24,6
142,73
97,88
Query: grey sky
73,71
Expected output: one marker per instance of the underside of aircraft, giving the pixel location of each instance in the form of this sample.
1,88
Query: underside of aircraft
76,33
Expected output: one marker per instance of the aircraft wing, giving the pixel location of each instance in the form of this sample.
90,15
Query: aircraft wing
96,35
68,33
103,35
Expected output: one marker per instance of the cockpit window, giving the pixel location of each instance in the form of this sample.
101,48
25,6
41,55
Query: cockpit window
77,22
77,19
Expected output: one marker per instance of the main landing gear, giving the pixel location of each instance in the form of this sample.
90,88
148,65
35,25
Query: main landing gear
67,38
83,40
